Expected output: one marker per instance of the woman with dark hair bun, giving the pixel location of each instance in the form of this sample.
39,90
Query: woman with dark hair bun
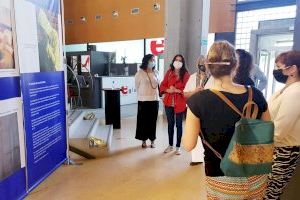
244,68
146,83
285,112
172,86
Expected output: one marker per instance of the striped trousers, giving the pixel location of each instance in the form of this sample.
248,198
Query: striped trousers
284,165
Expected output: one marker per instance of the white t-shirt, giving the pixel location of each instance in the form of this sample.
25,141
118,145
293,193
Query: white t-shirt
191,84
146,92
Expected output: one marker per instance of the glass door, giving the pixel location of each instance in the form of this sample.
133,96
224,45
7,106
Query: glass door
268,48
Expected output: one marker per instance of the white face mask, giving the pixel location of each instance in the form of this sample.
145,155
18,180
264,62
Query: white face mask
177,64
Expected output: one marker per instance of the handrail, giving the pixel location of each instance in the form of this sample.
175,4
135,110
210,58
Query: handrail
90,74
77,82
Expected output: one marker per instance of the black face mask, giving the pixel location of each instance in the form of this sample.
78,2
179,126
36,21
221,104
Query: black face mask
279,76
202,68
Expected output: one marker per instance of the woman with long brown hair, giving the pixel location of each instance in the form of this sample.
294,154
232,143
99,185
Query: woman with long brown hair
172,87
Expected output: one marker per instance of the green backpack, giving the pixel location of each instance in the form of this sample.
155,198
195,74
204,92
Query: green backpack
250,151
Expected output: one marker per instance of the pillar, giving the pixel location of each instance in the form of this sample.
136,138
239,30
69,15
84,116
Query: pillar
297,28
186,30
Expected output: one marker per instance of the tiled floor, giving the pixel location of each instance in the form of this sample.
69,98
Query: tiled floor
128,173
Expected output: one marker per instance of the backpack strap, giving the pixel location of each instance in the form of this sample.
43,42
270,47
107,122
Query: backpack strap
227,101
247,110
211,148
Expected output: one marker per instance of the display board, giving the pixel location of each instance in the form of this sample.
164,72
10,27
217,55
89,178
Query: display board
12,145
39,41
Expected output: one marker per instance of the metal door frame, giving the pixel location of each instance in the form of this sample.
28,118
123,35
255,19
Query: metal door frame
255,34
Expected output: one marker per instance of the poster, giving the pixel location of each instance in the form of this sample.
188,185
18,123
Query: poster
12,150
39,35
8,65
42,78
12,145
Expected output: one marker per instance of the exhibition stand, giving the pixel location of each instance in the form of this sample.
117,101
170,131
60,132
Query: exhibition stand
33,141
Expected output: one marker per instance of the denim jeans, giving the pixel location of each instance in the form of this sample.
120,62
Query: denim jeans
173,117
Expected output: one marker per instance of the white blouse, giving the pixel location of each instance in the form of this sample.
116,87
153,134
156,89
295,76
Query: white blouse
191,84
147,90
284,108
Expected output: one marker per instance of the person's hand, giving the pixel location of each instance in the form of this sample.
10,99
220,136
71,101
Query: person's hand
178,91
171,89
198,89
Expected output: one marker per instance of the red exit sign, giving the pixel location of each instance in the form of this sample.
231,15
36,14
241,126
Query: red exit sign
157,47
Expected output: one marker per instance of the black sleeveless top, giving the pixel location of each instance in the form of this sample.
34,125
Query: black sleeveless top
218,121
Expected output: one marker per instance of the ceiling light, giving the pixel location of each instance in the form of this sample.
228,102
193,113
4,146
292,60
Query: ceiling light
115,13
83,19
284,43
156,7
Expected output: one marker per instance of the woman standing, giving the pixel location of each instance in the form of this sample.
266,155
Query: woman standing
197,82
215,120
146,83
285,112
172,86
244,68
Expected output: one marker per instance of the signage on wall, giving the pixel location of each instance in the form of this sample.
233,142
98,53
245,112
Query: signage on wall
124,90
157,47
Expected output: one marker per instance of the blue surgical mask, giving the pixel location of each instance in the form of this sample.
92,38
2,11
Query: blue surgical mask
151,65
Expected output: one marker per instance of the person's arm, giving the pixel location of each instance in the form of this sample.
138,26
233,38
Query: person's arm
192,130
164,85
137,80
189,94
266,116
181,85
288,114
262,79
189,87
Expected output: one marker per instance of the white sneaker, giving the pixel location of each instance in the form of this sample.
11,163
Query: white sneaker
178,151
168,149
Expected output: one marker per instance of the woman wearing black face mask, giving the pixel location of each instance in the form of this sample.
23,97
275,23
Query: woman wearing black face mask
285,112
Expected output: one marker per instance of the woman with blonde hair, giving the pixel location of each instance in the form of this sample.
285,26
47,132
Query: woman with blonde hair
209,116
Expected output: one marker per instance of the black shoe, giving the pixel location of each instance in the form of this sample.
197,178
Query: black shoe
152,145
195,163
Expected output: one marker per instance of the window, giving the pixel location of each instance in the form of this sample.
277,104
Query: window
249,20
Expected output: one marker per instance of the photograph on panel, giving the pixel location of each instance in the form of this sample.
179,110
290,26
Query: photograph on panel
6,37
9,145
48,40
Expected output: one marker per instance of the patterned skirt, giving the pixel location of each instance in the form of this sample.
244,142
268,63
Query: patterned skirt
232,188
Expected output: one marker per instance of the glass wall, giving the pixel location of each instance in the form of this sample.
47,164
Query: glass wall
249,20
131,50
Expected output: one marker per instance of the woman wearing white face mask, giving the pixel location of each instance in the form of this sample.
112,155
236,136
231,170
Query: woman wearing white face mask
172,86
146,83
285,112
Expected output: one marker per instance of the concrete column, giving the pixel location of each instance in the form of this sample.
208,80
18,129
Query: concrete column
297,28
186,30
